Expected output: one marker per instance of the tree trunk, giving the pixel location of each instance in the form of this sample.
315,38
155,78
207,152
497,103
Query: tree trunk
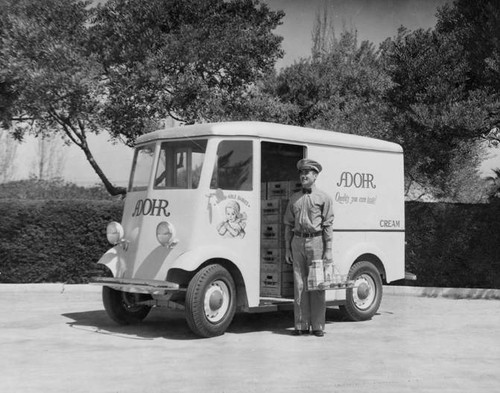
79,138
112,189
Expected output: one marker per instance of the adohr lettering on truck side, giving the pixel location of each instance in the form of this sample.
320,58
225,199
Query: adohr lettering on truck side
358,180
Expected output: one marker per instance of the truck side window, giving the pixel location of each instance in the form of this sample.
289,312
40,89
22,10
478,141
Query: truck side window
233,167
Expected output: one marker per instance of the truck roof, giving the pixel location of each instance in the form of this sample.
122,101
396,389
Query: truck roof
273,131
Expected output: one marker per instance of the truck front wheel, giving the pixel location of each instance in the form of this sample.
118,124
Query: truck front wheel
210,301
123,308
363,301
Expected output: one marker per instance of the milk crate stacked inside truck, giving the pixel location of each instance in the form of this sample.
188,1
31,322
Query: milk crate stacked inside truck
276,274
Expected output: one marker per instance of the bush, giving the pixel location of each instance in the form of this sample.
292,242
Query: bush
53,241
453,245
448,245
36,189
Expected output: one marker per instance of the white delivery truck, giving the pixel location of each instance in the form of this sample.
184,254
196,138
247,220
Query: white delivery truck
202,223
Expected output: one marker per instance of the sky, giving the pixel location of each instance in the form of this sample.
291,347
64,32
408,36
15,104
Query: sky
374,20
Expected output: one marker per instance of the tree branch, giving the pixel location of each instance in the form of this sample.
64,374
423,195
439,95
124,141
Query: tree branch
80,139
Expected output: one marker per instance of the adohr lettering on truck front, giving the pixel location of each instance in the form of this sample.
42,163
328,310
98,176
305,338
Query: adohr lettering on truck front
153,207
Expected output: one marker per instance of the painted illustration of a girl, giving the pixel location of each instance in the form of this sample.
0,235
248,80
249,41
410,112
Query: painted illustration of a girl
235,222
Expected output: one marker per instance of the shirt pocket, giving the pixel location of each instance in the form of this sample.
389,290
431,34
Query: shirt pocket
315,211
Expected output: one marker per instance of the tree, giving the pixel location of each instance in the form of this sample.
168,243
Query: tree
476,25
8,147
258,103
323,33
446,92
186,59
434,115
48,162
125,65
53,80
340,87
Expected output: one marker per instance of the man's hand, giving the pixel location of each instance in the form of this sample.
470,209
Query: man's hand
327,256
288,257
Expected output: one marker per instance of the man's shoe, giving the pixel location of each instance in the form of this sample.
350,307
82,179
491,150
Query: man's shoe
318,333
297,332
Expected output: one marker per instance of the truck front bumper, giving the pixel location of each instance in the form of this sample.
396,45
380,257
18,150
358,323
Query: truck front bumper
136,285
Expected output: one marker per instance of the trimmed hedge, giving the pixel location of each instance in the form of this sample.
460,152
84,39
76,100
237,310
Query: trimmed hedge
448,245
53,241
453,245
38,189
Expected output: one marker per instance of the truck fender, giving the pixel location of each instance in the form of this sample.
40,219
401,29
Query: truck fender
192,259
362,249
111,259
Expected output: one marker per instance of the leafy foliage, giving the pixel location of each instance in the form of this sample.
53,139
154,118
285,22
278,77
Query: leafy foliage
38,189
53,82
53,241
449,245
256,103
446,92
476,26
127,64
452,245
433,114
183,59
342,89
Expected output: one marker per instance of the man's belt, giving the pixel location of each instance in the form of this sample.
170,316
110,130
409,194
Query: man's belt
307,234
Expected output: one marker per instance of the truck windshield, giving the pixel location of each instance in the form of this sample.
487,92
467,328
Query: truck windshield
180,164
141,169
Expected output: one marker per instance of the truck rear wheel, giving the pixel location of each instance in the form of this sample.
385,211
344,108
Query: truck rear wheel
122,306
363,301
210,301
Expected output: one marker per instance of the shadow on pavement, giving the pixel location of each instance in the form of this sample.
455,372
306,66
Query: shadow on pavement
172,324
158,324
280,322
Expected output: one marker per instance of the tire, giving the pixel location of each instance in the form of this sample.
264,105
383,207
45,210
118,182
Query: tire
363,301
210,301
122,308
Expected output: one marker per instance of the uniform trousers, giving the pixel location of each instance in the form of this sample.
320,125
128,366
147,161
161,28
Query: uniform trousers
309,306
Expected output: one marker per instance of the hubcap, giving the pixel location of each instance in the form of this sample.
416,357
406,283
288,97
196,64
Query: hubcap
217,298
364,291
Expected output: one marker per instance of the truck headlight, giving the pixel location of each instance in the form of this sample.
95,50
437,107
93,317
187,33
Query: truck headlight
114,233
165,233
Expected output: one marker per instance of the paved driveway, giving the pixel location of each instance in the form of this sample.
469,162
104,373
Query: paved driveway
56,338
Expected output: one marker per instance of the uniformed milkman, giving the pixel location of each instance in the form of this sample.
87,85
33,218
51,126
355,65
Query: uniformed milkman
308,235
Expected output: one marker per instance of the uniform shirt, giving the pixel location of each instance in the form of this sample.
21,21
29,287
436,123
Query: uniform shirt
310,212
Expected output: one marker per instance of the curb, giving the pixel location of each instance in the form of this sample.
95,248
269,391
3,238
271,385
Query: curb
452,293
390,290
54,287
